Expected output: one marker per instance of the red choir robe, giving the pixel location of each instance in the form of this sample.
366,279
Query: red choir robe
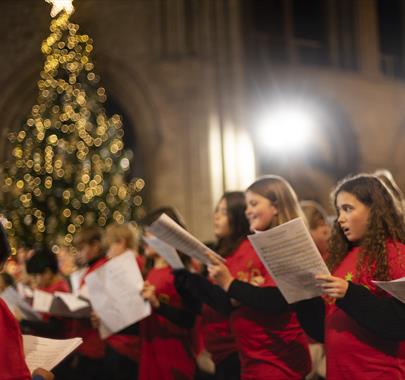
92,347
166,352
12,362
271,346
215,327
353,352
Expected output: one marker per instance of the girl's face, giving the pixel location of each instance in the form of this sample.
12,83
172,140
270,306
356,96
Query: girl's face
222,228
87,252
43,280
353,216
259,211
116,248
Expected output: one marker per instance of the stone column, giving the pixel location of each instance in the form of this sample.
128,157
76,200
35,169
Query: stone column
367,37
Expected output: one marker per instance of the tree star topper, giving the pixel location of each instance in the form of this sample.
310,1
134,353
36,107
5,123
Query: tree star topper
60,5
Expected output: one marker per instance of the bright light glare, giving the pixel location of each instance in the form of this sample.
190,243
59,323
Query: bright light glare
60,5
286,128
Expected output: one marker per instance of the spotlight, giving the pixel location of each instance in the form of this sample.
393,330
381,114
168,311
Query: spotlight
286,128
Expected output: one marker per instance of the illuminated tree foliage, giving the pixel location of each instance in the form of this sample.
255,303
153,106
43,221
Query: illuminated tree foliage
68,164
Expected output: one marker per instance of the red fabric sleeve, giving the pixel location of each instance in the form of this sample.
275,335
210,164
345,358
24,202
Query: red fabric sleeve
12,362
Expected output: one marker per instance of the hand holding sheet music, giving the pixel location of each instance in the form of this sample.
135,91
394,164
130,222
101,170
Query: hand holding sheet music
114,291
292,259
170,232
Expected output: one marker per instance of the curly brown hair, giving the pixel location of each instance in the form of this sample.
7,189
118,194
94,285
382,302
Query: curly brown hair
385,222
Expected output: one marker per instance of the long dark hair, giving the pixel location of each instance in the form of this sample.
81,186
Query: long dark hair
239,225
385,222
42,259
5,250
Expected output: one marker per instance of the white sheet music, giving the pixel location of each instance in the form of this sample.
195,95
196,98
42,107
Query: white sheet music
60,304
14,300
114,291
166,251
83,292
170,232
24,290
104,331
42,301
72,302
395,287
292,259
75,279
47,353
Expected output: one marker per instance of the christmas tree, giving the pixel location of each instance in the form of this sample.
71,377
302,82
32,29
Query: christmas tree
68,165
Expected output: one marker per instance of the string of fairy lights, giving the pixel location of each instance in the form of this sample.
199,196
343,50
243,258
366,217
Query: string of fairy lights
68,161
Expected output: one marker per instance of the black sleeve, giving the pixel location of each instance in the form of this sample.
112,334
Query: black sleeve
130,330
311,315
205,291
180,317
46,328
189,301
268,299
384,316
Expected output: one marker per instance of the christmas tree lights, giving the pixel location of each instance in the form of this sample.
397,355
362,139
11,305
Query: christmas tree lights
68,164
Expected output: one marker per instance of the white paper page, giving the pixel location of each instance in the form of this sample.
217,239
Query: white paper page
84,292
104,331
14,300
395,287
170,232
42,301
47,353
72,302
114,291
292,259
166,251
24,290
75,279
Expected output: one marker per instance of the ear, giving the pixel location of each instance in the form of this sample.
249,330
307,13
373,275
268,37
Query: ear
274,208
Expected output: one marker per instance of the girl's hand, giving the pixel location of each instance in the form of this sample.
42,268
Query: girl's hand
148,293
219,272
95,320
332,286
